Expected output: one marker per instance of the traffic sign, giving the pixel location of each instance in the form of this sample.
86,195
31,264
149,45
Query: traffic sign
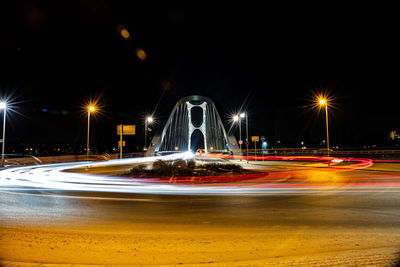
255,138
240,142
127,130
121,131
262,138
119,143
247,143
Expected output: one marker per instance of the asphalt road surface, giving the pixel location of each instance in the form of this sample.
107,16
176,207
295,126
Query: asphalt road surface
300,213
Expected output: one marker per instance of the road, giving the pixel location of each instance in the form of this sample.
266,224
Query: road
307,213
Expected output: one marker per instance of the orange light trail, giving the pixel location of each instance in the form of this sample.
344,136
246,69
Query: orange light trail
311,175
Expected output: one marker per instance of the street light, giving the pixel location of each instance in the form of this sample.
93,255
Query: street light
90,109
236,118
148,120
3,106
244,115
324,102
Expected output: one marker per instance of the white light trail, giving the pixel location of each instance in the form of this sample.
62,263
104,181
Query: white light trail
57,177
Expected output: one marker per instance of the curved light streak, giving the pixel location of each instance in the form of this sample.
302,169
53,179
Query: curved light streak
57,177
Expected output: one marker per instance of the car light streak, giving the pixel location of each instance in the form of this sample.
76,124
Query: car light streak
319,176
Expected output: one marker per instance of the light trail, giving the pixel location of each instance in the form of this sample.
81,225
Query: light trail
318,177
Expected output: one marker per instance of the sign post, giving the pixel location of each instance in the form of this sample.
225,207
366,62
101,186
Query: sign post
255,139
247,137
262,138
241,143
124,130
120,141
247,152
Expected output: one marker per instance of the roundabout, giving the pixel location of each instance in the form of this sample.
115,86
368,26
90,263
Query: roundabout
272,175
294,209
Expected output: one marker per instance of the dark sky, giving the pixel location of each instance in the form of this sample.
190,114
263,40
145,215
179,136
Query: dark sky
56,54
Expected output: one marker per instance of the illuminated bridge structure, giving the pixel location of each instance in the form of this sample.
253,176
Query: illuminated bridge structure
193,124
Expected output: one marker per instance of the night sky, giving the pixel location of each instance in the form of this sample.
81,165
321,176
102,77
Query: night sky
269,59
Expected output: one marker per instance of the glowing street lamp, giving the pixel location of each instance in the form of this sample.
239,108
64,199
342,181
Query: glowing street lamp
3,106
148,120
236,119
324,102
91,109
242,116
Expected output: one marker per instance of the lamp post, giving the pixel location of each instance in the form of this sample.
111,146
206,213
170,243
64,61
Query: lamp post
3,106
90,109
148,120
236,118
324,102
242,116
